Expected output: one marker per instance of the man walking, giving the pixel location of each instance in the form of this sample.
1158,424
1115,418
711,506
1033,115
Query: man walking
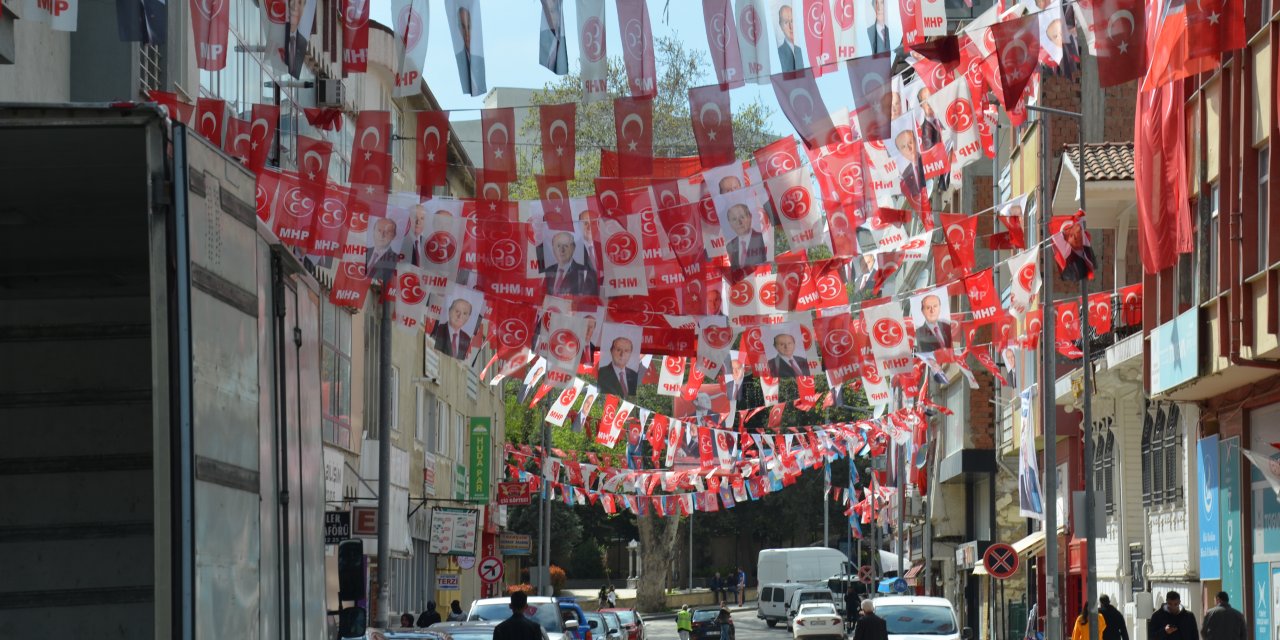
518,627
684,622
870,626
1172,622
742,587
1115,628
1223,622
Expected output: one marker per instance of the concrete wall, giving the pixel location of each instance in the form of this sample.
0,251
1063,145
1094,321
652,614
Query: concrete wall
43,69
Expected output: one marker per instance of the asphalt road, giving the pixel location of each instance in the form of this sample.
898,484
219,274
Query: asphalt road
747,627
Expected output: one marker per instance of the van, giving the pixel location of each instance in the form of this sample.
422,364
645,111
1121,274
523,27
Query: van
805,596
805,565
771,604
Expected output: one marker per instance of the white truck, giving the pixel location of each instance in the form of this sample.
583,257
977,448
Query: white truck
807,565
162,465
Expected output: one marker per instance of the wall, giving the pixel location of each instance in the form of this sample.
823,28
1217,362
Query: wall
43,69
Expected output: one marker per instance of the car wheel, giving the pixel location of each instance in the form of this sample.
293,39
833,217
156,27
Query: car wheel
771,622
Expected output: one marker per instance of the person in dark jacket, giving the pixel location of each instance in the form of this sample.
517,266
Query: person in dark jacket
518,627
1223,622
429,616
1115,629
870,626
1172,622
716,586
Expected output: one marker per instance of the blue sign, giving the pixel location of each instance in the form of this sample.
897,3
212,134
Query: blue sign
1229,529
1261,601
900,586
1207,456
1175,351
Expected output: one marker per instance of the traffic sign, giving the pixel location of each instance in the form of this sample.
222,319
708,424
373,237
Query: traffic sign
900,586
490,569
866,574
364,521
1001,560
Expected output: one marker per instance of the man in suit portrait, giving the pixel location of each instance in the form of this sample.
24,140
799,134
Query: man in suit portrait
930,127
878,33
789,53
935,333
564,277
415,240
451,338
913,172
381,258
470,66
786,364
617,378
551,46
1074,254
747,249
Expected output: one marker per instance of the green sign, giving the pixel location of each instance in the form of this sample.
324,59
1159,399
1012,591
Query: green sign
478,475
1229,532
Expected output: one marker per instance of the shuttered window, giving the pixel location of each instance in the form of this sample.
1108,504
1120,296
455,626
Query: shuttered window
1147,427
1109,463
1172,455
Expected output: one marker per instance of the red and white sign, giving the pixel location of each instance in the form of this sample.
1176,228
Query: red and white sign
801,215
564,402
364,521
591,43
515,493
624,273
1024,277
887,329
490,569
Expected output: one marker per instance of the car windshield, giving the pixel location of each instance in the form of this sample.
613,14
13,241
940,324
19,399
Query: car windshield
704,615
815,595
917,619
817,610
628,617
546,614
473,634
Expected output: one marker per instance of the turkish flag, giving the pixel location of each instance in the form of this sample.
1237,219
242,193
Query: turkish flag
1067,321
712,125
961,232
178,111
432,150
265,196
1130,300
637,47
1100,313
559,125
355,36
210,115
236,142
1215,27
326,118
498,127
871,81
262,133
1018,55
722,39
839,352
778,157
1033,328
211,23
984,302
633,122
330,222
819,35
802,104
371,150
1118,34
313,169
1159,171
944,270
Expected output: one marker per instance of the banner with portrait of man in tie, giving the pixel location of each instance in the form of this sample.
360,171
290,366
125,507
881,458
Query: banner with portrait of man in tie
563,262
619,372
931,317
748,237
1072,248
879,26
459,317
784,350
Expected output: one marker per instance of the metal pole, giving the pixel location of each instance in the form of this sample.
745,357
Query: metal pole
691,550
545,544
382,615
1048,406
826,513
902,508
1091,548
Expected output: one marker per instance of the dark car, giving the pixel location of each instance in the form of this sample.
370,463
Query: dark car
631,621
569,610
705,625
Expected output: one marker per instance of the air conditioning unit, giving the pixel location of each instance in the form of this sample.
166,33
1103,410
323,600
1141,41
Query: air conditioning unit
329,92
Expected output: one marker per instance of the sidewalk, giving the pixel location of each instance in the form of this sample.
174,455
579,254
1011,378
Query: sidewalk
627,598
670,615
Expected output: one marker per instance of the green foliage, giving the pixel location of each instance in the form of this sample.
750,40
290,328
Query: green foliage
586,560
566,528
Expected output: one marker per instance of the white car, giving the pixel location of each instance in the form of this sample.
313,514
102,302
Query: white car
910,617
541,609
818,620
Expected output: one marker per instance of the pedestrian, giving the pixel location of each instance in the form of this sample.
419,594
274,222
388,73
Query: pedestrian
429,616
1223,622
870,626
742,587
613,597
603,597
716,585
1171,621
1115,629
852,605
684,622
455,612
1033,621
406,620
726,624
518,627
1081,630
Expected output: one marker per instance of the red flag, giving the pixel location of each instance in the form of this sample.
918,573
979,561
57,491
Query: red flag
265,196
712,125
236,142
778,157
870,79
513,324
178,111
637,47
262,134
371,150
802,104
210,23
984,302
1119,30
502,259
313,168
961,232
1159,171
1032,330
326,118
944,269
722,39
633,119
1067,319
499,152
1215,27
1018,54
684,233
912,26
839,352
1100,313
210,114
819,35
433,150
350,284
330,222
1130,300
355,36
559,125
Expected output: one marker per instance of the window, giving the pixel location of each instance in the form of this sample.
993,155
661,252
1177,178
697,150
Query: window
1099,463
1172,455
1161,457
1157,459
395,398
419,415
439,423
1264,209
460,437
335,375
1109,464
430,429
1207,250
1148,427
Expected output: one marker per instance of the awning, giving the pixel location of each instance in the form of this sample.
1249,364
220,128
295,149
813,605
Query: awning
914,571
1032,545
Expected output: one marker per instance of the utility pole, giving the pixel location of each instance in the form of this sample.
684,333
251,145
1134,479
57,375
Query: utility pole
545,543
1048,408
382,615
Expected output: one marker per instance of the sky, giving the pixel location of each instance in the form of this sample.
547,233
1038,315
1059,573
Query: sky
510,30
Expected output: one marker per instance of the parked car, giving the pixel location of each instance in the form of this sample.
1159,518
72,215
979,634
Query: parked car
705,626
631,621
818,620
616,623
771,604
804,596
909,617
542,609
569,610
604,626
442,631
